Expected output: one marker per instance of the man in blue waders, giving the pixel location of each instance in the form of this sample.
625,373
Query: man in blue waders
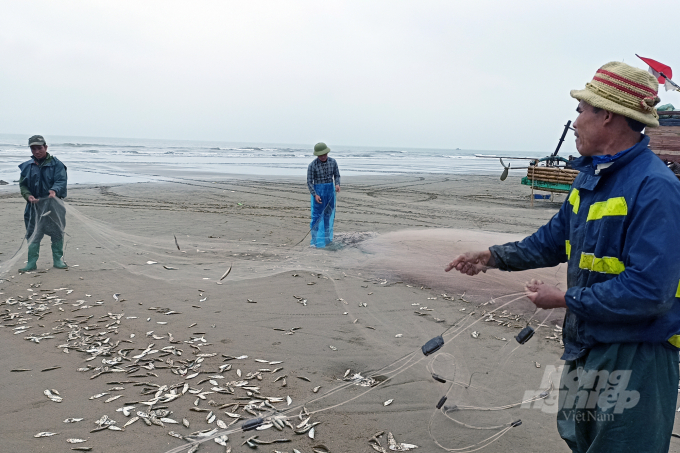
618,232
43,184
323,180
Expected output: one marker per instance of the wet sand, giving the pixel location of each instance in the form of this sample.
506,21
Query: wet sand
252,224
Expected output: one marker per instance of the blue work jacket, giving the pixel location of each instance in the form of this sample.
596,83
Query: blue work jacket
618,232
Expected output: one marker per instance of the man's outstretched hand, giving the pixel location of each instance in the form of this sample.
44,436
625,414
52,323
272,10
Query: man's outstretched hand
472,263
544,296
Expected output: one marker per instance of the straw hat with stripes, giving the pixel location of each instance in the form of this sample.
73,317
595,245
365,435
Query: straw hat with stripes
623,89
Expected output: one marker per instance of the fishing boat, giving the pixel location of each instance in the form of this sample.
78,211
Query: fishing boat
665,139
552,174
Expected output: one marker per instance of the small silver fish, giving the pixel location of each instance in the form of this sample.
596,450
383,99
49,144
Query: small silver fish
53,395
98,395
222,440
304,422
388,402
45,434
225,274
131,421
76,441
72,420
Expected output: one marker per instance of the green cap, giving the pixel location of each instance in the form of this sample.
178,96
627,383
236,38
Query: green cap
36,140
320,149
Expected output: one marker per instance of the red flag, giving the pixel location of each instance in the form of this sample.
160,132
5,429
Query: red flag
658,68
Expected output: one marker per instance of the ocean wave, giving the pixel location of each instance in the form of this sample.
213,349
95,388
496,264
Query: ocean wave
87,145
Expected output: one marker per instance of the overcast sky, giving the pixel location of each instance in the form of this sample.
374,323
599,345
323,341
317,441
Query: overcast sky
444,74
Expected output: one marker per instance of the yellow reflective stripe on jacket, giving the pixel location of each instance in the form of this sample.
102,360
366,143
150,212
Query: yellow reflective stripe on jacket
611,207
605,265
677,293
575,200
567,245
675,340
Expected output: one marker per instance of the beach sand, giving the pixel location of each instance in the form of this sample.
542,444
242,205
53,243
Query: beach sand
417,224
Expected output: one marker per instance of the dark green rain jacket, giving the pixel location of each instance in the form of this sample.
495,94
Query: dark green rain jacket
39,179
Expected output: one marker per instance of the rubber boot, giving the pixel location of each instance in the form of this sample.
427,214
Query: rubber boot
58,254
33,253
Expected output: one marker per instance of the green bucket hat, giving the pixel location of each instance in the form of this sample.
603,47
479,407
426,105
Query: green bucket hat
320,149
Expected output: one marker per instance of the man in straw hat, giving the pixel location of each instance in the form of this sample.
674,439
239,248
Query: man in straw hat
618,233
323,180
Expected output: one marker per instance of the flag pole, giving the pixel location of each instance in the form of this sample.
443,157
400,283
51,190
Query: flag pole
672,83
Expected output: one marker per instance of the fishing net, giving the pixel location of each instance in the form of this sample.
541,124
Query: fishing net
379,341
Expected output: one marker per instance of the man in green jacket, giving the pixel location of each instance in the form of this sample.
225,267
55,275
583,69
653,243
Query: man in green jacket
43,185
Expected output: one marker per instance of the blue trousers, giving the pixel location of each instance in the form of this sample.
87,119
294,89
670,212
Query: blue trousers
323,215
